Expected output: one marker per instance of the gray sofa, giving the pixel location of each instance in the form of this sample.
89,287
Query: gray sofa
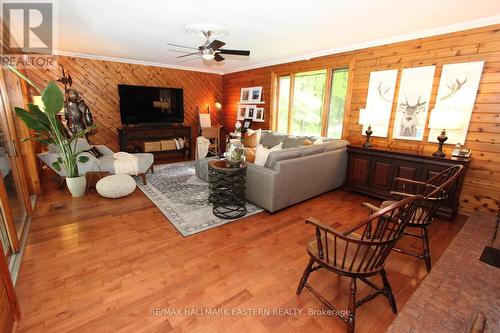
295,173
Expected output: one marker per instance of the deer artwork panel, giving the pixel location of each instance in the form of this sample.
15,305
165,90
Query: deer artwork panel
381,89
413,103
457,92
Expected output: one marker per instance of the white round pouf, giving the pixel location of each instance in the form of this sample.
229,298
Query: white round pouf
115,186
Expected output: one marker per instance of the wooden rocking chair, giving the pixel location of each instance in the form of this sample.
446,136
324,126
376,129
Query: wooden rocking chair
358,253
434,192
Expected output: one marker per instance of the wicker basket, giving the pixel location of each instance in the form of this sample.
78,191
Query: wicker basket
168,145
150,146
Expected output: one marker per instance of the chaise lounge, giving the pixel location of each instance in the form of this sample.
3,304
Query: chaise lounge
104,163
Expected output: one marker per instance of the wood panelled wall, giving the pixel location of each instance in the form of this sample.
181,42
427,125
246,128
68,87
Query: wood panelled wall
232,85
97,82
481,190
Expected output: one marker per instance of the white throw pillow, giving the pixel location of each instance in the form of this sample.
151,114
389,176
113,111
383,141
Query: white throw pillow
261,153
318,141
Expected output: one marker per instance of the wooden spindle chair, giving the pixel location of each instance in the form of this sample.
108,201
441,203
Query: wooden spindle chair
357,255
434,192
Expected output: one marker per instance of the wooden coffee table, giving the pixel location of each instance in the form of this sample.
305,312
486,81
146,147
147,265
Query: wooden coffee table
227,189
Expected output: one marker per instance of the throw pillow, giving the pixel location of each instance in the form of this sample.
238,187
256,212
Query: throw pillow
94,151
307,142
271,139
258,133
318,141
261,153
250,155
252,138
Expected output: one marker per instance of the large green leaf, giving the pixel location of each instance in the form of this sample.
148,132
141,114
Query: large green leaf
53,98
82,133
30,120
39,114
31,83
83,159
56,166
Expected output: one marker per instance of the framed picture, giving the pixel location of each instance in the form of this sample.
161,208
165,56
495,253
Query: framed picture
255,94
413,103
457,91
250,111
246,124
259,115
245,95
381,88
241,112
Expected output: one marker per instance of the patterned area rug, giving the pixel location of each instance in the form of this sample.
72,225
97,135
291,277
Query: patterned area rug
183,198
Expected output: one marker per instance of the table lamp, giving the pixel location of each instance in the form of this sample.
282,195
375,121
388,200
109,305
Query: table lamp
368,117
444,119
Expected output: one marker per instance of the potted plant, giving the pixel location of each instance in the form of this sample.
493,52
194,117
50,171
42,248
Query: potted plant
48,129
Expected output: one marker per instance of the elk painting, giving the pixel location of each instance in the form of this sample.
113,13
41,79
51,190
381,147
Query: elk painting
381,89
413,102
410,116
457,91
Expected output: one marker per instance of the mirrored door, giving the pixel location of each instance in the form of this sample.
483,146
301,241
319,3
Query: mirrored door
13,194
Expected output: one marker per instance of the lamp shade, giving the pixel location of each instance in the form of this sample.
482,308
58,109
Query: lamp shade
446,119
369,117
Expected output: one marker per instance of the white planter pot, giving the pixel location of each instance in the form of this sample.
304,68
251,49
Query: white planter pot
77,186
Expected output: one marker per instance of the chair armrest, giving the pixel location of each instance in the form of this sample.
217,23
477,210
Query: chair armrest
411,181
402,194
371,207
105,150
322,226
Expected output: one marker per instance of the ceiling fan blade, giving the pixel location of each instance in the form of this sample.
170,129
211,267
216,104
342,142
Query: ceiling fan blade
235,52
187,55
215,44
218,57
186,47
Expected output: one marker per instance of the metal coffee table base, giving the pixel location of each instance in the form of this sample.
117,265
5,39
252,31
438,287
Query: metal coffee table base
227,191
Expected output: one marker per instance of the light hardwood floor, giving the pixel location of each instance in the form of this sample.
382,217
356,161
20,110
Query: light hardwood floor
101,265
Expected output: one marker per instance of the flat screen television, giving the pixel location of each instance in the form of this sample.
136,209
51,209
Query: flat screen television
149,105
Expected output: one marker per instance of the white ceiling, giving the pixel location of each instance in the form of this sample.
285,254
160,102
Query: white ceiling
275,31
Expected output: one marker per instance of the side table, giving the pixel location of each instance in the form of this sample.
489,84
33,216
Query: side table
227,189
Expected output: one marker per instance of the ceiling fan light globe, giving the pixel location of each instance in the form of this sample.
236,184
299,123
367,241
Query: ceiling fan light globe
207,56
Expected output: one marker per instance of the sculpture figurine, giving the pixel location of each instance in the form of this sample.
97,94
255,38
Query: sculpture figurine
76,113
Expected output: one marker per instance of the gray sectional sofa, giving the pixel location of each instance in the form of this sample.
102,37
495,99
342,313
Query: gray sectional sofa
295,173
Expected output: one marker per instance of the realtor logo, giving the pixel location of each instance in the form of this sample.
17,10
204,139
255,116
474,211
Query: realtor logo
30,27
28,39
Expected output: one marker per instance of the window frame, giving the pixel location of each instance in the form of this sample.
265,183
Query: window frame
325,114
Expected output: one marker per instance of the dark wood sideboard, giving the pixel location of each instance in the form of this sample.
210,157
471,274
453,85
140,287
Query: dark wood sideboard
132,138
372,171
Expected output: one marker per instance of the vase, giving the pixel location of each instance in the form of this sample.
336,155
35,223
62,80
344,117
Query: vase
77,185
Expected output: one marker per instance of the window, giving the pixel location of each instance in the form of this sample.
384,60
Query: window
337,103
301,100
283,104
308,93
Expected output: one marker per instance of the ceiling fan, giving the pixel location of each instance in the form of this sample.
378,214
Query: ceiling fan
211,50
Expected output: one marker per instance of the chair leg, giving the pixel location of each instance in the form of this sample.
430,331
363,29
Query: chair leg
427,254
387,290
303,280
352,307
144,179
152,168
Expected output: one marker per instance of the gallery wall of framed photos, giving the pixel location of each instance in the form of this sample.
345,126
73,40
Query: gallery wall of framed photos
250,105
